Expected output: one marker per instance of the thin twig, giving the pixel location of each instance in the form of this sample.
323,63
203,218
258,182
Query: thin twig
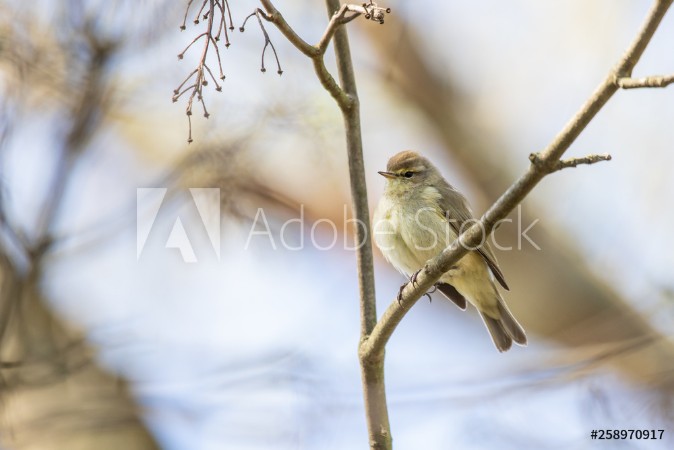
176,91
535,159
187,10
217,54
203,5
211,36
313,52
259,14
222,10
336,20
372,11
657,81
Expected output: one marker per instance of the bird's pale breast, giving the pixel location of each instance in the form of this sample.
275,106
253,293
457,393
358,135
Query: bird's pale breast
410,232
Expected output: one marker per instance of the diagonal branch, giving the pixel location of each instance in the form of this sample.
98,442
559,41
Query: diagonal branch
373,347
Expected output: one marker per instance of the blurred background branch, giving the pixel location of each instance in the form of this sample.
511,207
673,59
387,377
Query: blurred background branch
54,395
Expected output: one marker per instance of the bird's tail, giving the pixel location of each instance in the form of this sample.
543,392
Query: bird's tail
505,330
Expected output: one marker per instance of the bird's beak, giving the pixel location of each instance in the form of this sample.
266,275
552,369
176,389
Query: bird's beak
387,174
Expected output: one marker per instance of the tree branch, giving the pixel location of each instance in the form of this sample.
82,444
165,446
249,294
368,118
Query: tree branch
535,159
259,14
373,347
371,11
312,51
197,79
372,369
657,81
346,96
339,18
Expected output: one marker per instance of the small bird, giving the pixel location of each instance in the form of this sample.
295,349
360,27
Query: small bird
419,215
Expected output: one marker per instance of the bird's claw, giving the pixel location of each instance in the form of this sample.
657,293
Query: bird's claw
413,280
414,276
428,294
399,297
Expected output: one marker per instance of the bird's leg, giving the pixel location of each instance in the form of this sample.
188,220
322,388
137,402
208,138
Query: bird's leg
413,280
414,276
400,294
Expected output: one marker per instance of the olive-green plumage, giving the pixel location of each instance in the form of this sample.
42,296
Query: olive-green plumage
418,216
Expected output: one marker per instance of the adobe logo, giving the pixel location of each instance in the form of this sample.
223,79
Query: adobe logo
148,205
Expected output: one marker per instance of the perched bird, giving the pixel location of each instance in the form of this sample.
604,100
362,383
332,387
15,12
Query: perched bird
419,215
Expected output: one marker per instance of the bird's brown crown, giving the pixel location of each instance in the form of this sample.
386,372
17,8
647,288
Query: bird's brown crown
407,160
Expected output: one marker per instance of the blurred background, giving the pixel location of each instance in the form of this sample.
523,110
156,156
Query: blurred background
109,341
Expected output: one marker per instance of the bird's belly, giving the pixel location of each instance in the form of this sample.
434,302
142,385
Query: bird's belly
410,238
390,241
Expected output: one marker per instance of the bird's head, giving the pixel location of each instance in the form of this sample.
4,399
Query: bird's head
407,170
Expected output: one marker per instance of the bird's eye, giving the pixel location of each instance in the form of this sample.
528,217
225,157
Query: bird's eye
408,174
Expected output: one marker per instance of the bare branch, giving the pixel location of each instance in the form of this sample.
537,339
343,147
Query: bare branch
259,14
372,348
211,36
196,18
536,160
217,25
346,95
657,81
181,55
313,52
371,11
187,10
337,19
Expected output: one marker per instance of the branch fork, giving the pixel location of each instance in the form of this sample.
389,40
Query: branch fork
316,52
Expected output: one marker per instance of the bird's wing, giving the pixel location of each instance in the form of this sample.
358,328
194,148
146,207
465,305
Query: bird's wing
451,293
456,207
